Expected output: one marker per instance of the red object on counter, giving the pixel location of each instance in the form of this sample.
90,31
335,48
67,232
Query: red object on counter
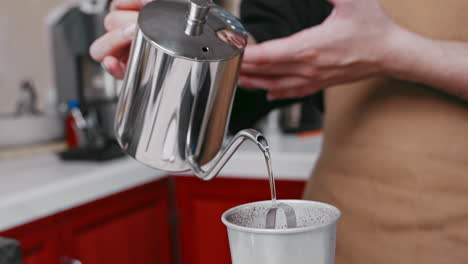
71,136
75,125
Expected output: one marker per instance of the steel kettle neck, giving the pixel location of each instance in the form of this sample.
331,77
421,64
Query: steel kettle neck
221,160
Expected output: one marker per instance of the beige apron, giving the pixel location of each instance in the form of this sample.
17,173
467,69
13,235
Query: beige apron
395,158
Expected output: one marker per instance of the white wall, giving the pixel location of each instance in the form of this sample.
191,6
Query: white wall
24,51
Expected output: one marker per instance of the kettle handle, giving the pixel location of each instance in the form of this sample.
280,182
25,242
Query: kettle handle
221,159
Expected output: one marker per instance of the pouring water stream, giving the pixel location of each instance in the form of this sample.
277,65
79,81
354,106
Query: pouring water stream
271,213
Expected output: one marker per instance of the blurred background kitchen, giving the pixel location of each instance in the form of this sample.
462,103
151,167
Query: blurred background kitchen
67,192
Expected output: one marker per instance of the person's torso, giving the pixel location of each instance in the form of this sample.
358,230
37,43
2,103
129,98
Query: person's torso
395,157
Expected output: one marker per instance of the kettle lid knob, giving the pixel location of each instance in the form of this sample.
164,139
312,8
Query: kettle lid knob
197,30
198,10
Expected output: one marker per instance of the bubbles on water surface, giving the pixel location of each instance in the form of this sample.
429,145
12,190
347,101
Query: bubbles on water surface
307,215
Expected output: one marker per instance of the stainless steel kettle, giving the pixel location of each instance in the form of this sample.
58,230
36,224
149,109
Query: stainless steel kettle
177,94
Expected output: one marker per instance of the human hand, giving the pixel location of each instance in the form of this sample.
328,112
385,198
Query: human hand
113,48
350,45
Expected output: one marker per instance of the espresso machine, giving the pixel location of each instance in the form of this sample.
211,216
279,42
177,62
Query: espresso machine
72,29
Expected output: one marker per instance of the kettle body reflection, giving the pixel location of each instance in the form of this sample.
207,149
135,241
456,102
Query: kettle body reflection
177,94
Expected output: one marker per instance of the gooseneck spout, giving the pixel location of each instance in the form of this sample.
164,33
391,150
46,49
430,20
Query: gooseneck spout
221,160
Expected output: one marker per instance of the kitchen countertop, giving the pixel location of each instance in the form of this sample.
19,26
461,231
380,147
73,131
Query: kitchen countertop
36,186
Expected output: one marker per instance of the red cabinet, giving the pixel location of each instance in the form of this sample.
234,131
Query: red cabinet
129,227
135,226
39,241
202,236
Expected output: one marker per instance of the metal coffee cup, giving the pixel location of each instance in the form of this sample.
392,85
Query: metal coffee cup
313,241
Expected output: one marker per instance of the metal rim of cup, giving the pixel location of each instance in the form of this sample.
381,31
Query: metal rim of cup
281,231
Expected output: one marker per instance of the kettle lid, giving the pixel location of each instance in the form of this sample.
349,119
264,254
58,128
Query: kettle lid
198,30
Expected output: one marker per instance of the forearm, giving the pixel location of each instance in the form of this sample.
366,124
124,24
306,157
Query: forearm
437,63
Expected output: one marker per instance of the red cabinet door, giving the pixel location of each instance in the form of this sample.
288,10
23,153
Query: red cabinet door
39,241
203,237
130,227
40,250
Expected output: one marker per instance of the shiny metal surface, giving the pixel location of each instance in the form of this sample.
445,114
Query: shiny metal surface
173,112
164,23
196,18
175,102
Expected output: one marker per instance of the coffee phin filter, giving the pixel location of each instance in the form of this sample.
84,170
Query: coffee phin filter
313,241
